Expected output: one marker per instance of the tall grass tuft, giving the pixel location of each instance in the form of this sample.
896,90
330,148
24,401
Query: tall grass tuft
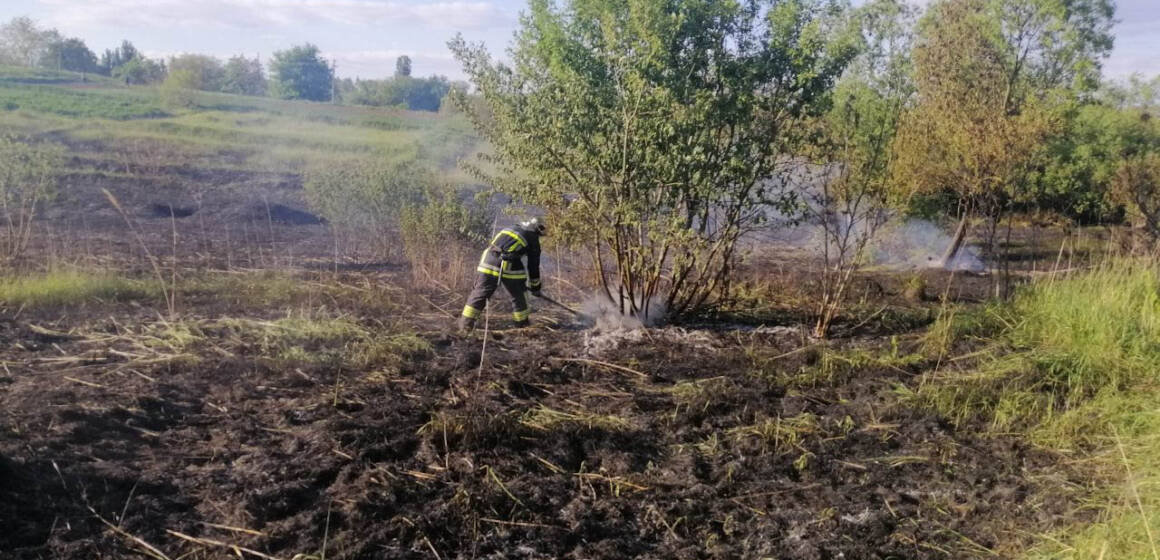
1059,344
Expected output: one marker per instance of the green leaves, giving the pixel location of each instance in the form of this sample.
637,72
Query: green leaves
652,127
300,73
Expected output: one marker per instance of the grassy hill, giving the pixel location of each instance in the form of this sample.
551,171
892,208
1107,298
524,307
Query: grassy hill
106,124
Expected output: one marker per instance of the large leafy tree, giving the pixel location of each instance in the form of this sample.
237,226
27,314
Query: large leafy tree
994,79
69,54
24,43
652,129
301,73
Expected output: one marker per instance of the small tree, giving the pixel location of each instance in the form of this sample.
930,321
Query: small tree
1137,183
301,73
853,189
403,67
112,59
140,71
994,80
27,179
24,43
965,135
652,129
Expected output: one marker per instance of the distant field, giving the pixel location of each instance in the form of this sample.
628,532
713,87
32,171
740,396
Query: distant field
100,120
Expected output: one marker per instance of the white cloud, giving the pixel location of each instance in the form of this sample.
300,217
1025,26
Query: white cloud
249,14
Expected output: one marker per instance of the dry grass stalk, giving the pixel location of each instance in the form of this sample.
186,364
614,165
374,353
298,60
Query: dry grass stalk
1136,495
210,542
149,549
606,365
170,303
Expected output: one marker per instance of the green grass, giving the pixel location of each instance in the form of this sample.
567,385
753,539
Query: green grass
106,125
23,75
116,104
1076,366
1060,343
70,287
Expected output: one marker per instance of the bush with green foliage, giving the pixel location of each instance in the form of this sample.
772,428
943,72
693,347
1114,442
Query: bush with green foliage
140,71
416,94
205,72
243,76
70,54
178,89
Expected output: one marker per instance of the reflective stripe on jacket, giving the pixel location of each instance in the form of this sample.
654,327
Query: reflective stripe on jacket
504,258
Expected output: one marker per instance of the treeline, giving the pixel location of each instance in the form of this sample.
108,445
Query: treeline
300,72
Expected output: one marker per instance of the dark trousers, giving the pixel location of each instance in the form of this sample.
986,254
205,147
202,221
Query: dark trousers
485,286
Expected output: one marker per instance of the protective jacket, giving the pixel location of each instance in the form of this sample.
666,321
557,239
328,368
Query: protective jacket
502,263
503,259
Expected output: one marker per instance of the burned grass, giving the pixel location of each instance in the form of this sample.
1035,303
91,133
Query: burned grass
333,433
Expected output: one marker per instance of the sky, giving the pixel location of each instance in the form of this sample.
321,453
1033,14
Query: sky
364,37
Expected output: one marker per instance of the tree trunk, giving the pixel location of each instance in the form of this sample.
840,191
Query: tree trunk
957,241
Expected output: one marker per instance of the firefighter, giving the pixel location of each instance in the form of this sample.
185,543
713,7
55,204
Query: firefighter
501,264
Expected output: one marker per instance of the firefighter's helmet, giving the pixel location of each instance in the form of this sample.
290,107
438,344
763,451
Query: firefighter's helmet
535,224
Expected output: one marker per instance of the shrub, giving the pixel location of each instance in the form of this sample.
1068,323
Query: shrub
442,233
650,130
368,196
177,89
27,179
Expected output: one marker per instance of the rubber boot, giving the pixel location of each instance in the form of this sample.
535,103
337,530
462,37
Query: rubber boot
523,324
466,324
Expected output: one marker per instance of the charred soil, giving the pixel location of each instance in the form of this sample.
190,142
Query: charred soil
549,442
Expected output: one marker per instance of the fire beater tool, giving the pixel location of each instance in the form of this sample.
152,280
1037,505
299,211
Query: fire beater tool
558,304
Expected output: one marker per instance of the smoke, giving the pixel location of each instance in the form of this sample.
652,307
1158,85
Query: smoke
908,244
605,315
920,244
